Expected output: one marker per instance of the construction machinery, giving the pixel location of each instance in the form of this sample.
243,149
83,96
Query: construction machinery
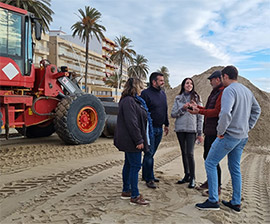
40,101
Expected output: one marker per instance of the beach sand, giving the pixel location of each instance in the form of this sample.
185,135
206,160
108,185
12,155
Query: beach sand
44,181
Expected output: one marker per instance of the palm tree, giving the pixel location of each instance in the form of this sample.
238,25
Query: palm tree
140,68
122,53
112,81
86,28
165,71
40,8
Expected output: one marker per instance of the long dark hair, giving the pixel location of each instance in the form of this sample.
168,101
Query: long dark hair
132,86
193,94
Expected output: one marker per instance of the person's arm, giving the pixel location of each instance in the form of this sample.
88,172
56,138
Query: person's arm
177,109
225,116
199,122
255,113
212,112
166,123
200,107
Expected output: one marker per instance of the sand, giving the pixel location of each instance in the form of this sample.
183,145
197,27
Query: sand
44,181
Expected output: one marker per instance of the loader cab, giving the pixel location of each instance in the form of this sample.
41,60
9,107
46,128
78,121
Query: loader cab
16,41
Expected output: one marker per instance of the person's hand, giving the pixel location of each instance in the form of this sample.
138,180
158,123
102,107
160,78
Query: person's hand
220,136
186,105
195,110
140,146
166,130
200,139
193,103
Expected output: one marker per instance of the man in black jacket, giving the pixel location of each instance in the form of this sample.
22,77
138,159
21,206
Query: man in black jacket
156,102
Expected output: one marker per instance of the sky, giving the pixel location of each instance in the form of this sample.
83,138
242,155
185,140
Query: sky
186,36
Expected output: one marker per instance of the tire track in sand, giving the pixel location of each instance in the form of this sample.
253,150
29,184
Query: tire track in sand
255,193
79,201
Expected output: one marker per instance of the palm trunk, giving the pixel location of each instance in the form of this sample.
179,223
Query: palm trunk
86,62
121,71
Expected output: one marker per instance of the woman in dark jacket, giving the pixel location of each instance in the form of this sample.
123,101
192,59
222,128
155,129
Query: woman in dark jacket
130,137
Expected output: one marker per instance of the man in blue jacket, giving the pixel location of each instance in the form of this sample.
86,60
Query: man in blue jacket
156,102
239,113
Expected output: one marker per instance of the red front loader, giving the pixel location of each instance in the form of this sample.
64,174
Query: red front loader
39,101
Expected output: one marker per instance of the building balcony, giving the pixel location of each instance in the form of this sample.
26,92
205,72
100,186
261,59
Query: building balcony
106,48
96,73
42,50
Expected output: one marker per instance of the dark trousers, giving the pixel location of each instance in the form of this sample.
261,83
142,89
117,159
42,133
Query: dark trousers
148,159
187,141
208,140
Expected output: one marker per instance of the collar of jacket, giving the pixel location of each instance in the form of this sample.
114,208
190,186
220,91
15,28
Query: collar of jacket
154,89
137,101
220,86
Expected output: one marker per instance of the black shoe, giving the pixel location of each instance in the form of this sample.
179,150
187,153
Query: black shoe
236,208
151,184
207,205
184,180
191,183
156,180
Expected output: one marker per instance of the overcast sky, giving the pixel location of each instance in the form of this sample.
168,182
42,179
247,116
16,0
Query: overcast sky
186,36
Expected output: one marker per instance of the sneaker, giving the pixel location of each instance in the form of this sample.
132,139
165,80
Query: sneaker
207,205
236,208
203,186
206,193
139,201
151,184
126,195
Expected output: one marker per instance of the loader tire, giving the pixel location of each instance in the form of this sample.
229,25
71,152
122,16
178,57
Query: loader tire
79,119
110,107
40,130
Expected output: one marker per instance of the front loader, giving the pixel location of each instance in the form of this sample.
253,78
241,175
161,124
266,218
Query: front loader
41,101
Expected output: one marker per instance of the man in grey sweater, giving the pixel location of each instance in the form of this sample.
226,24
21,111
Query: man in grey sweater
239,113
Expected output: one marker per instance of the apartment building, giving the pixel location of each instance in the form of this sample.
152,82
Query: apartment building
107,47
64,50
68,51
41,49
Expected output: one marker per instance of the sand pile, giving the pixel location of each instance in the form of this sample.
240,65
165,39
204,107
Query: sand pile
259,136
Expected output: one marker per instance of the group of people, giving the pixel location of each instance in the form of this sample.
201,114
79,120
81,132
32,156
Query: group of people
230,112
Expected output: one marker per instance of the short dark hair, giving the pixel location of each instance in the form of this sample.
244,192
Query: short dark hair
154,76
231,71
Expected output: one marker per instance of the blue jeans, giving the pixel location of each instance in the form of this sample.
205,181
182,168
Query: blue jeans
148,159
130,172
232,147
